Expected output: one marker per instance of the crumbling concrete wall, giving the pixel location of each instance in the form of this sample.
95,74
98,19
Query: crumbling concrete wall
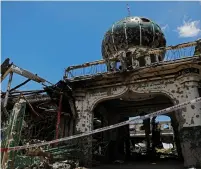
84,123
179,88
189,119
183,88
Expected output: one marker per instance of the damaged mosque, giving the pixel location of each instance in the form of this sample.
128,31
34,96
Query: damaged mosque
85,117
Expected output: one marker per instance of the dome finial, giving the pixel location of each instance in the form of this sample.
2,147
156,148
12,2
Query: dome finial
128,8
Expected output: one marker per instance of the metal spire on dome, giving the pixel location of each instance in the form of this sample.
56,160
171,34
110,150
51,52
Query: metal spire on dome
128,8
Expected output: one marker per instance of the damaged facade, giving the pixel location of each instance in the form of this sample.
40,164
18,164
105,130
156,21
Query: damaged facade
134,80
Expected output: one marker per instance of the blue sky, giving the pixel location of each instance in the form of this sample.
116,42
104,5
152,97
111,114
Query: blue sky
47,37
158,118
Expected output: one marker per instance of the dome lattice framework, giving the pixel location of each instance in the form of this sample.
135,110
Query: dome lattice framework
131,34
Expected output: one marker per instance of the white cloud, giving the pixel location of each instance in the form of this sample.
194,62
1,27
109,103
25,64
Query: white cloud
189,29
164,27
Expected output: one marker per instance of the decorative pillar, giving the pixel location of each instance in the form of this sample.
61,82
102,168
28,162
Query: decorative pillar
189,119
108,65
157,60
147,60
113,65
122,58
83,124
135,63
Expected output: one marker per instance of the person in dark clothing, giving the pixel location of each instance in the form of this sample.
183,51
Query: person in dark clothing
157,136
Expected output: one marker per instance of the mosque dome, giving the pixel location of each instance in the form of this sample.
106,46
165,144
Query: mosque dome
132,32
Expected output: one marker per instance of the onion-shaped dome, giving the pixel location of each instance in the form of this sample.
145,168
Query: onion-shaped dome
132,32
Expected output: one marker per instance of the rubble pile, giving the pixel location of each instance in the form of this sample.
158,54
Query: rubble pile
67,164
59,111
42,165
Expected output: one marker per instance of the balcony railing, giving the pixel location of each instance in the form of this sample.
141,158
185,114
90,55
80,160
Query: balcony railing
172,53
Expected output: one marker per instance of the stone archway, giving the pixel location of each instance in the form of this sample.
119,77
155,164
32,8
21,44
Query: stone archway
114,110
179,89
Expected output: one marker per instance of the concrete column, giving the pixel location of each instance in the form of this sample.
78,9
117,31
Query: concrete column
13,133
146,123
104,113
153,150
84,123
113,136
190,125
127,141
175,127
71,127
66,127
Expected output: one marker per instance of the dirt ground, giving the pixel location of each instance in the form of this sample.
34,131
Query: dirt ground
144,165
